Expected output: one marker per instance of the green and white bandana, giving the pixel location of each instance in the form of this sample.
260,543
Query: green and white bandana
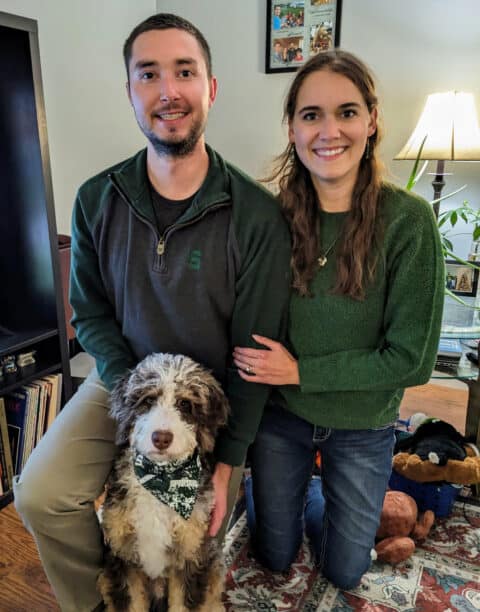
175,483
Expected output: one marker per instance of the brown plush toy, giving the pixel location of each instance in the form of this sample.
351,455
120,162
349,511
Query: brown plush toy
464,472
400,527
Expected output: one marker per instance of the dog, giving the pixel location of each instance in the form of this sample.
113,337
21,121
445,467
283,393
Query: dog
159,495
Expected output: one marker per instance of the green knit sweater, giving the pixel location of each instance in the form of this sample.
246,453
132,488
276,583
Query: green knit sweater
356,357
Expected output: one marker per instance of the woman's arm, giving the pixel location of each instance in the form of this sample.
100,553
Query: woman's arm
272,366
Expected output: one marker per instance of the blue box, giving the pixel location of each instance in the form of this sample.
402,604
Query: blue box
429,495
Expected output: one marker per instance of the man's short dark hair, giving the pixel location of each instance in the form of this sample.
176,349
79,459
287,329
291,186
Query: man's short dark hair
167,21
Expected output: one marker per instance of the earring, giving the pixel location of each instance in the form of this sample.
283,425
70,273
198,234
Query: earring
366,154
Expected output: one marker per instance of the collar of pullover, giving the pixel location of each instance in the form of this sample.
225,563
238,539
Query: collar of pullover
132,181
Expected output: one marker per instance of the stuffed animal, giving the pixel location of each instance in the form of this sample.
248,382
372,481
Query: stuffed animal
436,441
437,452
464,472
400,527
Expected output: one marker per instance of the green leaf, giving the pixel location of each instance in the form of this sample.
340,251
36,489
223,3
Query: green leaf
420,172
455,297
412,178
469,264
448,195
448,244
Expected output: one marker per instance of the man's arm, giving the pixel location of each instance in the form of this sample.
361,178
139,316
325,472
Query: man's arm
221,479
94,319
263,290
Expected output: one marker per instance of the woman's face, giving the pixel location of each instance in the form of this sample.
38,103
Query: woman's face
330,128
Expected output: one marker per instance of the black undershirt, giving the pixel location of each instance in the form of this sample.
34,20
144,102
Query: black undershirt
167,211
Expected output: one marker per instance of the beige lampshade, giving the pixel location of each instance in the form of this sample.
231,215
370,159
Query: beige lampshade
449,120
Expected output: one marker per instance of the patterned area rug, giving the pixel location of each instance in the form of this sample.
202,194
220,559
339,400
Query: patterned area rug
443,575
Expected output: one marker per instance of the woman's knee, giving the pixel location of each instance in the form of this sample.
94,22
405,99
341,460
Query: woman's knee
346,573
342,580
277,560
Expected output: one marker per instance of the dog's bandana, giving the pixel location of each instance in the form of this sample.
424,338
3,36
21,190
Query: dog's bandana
175,483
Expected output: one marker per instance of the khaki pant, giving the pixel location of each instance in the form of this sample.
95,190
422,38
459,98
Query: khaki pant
55,493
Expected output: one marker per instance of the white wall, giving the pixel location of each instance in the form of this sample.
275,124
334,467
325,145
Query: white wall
414,48
89,121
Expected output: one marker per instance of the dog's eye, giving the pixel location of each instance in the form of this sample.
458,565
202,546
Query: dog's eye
185,404
149,401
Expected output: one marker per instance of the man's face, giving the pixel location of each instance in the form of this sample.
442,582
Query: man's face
170,90
277,10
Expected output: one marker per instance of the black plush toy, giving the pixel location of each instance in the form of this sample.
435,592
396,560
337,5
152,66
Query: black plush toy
436,441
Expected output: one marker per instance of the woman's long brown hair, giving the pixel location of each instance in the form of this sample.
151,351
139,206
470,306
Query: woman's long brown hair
357,253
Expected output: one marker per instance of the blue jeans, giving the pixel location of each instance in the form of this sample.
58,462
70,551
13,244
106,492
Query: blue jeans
341,511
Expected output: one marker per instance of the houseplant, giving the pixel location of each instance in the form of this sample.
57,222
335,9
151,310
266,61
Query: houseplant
448,219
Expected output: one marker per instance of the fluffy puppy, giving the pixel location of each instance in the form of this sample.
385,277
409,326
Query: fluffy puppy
159,496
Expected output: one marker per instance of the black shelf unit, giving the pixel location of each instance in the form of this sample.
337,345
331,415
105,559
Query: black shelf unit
31,308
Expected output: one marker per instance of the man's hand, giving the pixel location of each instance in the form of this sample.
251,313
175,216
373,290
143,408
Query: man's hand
220,479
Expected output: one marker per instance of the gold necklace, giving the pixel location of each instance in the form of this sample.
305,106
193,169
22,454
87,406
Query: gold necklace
322,260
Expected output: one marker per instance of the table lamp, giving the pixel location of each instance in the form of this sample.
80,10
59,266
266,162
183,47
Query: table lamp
449,126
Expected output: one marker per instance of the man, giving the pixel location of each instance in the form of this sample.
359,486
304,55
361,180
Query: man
277,20
291,52
278,55
173,250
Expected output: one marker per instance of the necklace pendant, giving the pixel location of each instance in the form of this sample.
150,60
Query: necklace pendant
322,260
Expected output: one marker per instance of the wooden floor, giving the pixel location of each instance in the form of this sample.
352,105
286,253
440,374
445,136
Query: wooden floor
445,401
24,587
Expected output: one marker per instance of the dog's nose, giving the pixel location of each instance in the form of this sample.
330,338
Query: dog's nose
162,438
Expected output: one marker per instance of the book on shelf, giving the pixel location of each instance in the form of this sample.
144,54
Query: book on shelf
450,347
30,410
448,366
32,391
54,382
42,409
5,444
16,405
449,353
4,486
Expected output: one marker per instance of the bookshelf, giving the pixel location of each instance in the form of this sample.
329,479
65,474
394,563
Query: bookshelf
31,308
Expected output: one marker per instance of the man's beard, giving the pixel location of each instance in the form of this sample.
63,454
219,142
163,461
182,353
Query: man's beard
175,148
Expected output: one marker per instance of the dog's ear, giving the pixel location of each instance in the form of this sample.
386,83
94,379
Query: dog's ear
212,412
120,409
219,407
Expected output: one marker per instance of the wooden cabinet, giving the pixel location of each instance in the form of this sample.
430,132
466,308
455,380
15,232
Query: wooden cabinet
31,305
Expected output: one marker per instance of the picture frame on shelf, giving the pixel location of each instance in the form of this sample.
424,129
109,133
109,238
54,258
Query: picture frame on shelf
461,279
297,30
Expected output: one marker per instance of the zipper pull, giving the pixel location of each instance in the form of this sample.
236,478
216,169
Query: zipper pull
161,246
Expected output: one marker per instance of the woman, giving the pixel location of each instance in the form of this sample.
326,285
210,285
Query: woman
368,285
